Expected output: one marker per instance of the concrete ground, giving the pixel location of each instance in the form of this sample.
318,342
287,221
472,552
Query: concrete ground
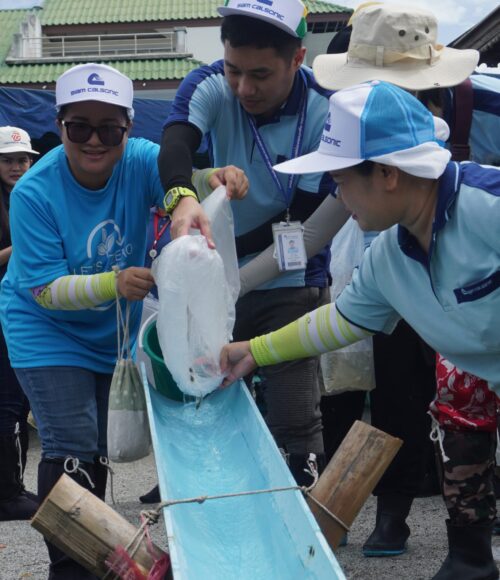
23,554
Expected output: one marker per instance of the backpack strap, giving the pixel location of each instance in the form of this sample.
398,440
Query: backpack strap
462,120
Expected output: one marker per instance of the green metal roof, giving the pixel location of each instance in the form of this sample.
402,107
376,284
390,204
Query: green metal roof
137,70
63,12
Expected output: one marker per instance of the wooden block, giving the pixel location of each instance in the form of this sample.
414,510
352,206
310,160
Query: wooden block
87,529
351,476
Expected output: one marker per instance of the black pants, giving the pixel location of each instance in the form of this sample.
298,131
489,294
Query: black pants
405,385
14,405
290,391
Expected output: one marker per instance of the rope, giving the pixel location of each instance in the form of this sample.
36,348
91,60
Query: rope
151,517
77,469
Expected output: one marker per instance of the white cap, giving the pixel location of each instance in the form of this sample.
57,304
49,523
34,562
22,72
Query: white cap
289,15
378,122
15,140
94,82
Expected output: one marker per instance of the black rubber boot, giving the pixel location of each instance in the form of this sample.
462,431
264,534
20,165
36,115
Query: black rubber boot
101,465
391,530
469,554
153,496
15,502
62,567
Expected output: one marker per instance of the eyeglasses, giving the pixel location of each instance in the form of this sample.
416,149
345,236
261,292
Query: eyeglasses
109,135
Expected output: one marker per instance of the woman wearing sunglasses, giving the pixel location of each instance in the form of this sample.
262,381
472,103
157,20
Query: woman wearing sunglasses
16,503
79,215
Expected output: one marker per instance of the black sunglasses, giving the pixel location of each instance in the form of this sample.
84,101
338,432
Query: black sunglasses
109,135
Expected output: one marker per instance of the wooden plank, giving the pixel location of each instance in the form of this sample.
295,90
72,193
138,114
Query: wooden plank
87,529
351,476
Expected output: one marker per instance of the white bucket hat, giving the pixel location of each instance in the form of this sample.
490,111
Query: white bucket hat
289,15
95,82
397,44
380,122
15,140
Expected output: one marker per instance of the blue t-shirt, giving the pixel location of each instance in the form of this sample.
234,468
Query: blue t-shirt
58,228
451,296
205,100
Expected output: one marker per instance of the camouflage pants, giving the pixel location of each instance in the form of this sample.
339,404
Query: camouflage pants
468,476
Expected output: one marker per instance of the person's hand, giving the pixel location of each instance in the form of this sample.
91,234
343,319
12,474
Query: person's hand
237,361
189,214
134,283
233,178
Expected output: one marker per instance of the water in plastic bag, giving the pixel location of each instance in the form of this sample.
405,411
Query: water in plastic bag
197,291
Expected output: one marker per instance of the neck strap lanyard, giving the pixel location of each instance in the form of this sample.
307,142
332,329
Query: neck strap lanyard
296,148
158,233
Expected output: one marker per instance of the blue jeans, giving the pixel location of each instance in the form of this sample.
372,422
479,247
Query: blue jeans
70,406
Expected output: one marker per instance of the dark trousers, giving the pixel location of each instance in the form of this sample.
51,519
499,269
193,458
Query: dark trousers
14,405
405,385
290,392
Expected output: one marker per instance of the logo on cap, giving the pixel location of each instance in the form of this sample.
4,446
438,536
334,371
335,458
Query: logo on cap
16,137
328,123
268,2
95,79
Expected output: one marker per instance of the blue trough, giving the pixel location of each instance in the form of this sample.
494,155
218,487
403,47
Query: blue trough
224,447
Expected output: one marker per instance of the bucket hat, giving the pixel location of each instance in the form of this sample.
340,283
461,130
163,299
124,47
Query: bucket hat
397,44
380,122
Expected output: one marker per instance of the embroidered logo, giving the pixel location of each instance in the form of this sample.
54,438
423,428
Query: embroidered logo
95,79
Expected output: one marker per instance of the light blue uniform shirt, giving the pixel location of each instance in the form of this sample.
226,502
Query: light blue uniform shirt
59,228
205,100
452,296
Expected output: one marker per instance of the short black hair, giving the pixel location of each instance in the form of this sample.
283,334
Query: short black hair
246,31
340,41
365,169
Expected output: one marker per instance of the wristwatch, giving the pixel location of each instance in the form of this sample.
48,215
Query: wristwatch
174,195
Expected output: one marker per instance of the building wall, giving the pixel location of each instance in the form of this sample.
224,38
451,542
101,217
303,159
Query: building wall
205,45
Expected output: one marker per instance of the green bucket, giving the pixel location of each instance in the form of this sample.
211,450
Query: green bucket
164,381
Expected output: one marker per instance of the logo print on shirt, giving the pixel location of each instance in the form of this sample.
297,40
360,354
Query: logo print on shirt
106,246
95,79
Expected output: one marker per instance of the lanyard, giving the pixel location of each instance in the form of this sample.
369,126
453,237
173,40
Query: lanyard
296,148
157,233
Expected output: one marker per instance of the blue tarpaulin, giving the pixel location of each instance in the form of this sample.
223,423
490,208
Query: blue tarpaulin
34,111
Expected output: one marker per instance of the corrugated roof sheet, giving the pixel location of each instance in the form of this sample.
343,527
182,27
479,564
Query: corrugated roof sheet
137,70
63,12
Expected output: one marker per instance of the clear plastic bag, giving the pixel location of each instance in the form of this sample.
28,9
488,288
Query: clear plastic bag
349,368
197,291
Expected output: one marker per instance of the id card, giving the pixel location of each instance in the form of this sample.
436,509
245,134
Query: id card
289,248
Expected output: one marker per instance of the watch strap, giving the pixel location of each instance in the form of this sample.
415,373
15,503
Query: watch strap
174,195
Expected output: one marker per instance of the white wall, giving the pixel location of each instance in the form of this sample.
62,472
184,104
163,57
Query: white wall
204,42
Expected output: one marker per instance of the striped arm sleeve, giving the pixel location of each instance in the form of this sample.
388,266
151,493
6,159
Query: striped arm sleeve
75,292
200,179
316,332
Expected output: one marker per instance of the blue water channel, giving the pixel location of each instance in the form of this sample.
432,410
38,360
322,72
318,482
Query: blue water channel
223,446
